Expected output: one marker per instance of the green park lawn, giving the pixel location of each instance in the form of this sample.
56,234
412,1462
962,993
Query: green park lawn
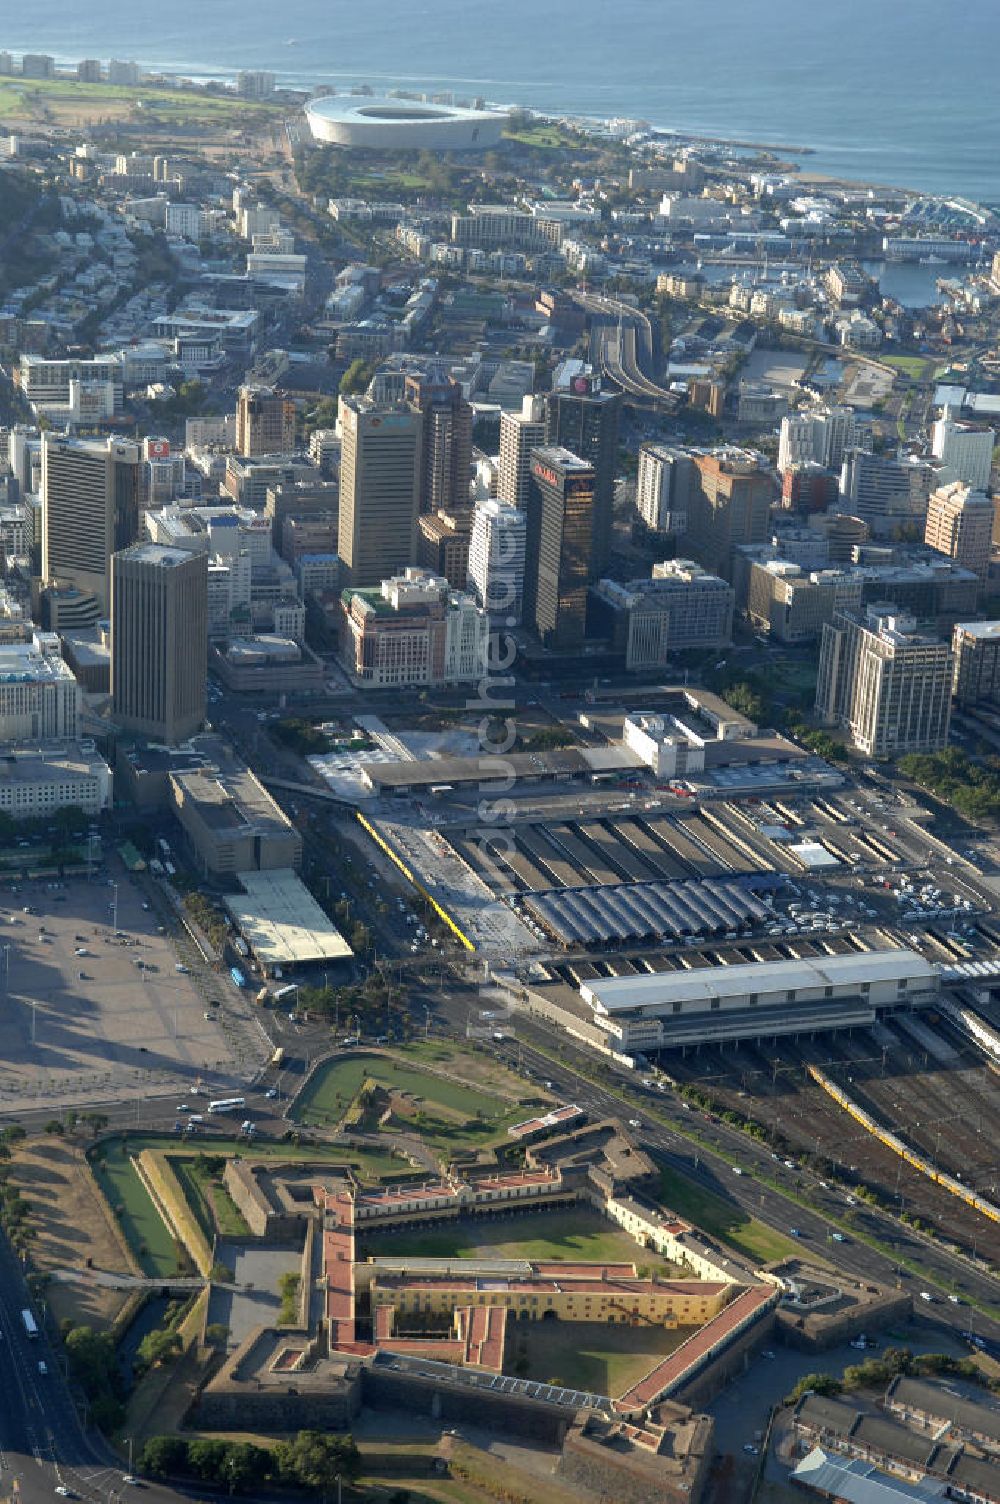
20,98
916,367
723,1219
145,1231
588,1355
564,1233
449,1111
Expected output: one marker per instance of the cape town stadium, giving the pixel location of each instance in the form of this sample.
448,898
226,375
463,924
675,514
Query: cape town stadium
363,120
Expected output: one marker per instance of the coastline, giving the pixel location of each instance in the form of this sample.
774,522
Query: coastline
794,159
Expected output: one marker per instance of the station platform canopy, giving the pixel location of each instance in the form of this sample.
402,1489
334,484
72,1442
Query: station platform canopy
281,921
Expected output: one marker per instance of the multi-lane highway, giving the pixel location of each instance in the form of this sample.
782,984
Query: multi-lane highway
768,1189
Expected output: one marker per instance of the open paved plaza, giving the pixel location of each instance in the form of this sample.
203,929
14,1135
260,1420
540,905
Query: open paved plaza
87,1014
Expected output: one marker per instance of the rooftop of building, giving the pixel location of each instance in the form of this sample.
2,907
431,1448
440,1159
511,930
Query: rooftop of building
985,631
558,457
35,662
156,555
620,994
60,761
282,922
231,800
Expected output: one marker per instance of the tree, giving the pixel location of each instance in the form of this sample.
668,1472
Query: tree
55,1126
158,1346
216,1334
207,1459
95,1121
314,1459
164,1456
356,377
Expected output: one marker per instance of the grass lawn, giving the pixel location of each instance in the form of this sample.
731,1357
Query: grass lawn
147,1234
916,367
450,1111
66,99
542,134
725,1220
567,1233
587,1355
208,1198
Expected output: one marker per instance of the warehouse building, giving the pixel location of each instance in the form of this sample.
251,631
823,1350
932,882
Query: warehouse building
671,1010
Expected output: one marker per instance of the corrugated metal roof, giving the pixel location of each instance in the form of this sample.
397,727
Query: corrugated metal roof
858,1482
616,994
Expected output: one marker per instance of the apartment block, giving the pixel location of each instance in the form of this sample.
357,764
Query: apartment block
884,682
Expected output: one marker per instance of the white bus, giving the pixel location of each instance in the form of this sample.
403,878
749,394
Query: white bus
30,1324
227,1104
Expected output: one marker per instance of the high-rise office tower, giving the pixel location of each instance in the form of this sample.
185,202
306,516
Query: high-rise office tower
965,449
379,490
889,494
446,439
90,509
559,545
886,683
585,420
265,421
960,524
496,561
520,433
729,506
159,640
663,487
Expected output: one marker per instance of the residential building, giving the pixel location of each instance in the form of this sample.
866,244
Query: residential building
884,682
159,641
960,524
729,507
663,487
520,433
39,696
265,421
497,560
189,221
584,420
818,435
559,547
976,649
414,629
807,487
380,470
254,83
443,540
122,72
90,509
36,781
46,384
446,439
966,449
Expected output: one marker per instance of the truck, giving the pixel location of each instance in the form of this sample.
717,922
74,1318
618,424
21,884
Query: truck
283,993
237,976
239,944
30,1325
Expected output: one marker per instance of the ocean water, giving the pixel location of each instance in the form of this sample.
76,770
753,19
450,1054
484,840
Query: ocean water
888,91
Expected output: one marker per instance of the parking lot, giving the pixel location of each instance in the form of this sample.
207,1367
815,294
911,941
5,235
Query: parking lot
86,1011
